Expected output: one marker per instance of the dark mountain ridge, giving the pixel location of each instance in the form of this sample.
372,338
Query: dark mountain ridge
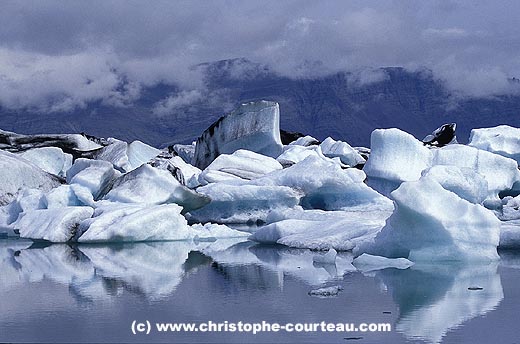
337,105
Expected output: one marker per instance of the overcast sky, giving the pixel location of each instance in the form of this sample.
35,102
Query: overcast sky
56,55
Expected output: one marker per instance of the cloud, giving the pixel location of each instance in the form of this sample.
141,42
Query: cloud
58,55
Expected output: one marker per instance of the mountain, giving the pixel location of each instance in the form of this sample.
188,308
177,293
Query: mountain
341,105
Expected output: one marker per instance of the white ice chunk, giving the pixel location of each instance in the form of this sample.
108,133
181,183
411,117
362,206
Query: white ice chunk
55,225
49,159
367,262
242,164
503,140
348,155
293,154
326,186
342,230
253,126
304,141
499,172
140,153
95,175
465,182
66,196
149,185
135,223
432,224
243,203
115,153
17,173
396,156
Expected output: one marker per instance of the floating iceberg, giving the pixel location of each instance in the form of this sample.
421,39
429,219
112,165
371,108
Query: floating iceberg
328,188
253,126
503,140
55,225
241,165
340,230
18,173
431,223
243,203
396,156
149,185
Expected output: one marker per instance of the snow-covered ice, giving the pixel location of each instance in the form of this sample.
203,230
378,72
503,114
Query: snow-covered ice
55,225
431,223
348,155
149,185
503,140
243,203
241,165
49,159
17,173
96,175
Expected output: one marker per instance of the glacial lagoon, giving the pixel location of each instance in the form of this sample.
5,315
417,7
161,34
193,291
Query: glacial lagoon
93,293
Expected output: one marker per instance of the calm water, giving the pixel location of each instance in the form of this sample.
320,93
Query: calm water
60,293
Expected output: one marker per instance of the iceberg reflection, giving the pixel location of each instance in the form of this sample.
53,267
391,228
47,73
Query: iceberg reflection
433,300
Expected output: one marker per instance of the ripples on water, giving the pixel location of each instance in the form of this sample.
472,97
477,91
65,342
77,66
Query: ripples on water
92,293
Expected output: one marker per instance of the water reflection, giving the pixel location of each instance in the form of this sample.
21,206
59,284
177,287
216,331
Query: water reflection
435,299
432,300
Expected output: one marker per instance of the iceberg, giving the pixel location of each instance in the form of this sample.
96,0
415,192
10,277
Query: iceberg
431,223
253,126
55,225
396,156
96,175
49,159
348,155
149,185
464,182
134,222
18,174
185,173
140,153
66,196
503,140
318,230
242,203
305,141
326,186
501,173
241,165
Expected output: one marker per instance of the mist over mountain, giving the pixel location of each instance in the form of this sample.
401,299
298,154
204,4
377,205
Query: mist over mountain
344,105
